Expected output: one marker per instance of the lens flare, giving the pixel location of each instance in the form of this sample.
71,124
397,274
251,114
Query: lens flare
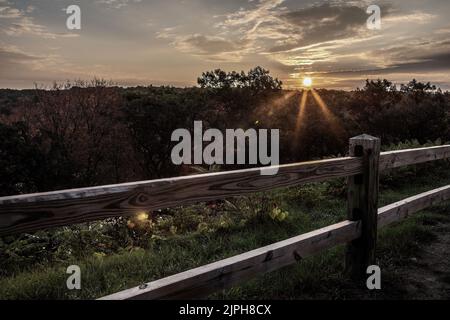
142,216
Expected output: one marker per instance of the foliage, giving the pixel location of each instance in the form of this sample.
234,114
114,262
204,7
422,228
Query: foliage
257,79
92,133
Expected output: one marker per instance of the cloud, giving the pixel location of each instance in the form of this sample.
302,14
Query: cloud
334,42
26,25
235,35
213,47
10,13
434,62
11,54
117,4
252,18
17,63
324,22
425,64
413,17
16,22
288,29
23,69
270,29
166,33
324,37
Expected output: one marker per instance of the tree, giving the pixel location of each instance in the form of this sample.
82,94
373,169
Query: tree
379,86
416,86
78,127
257,79
216,79
21,163
152,116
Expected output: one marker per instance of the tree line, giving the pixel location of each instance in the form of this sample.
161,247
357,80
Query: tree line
91,133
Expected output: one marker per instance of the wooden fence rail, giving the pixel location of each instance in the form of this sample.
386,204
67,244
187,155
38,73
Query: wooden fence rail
222,274
31,212
27,213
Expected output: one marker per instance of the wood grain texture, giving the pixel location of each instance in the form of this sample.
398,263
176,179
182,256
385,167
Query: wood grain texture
26,213
363,205
204,280
400,158
402,209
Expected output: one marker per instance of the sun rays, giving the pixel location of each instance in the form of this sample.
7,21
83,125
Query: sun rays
318,110
331,120
301,113
276,103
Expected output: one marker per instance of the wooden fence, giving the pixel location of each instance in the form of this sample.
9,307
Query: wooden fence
31,212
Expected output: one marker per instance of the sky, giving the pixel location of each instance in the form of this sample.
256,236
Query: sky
171,42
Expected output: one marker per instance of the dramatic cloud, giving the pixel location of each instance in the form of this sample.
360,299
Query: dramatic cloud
173,41
325,22
213,48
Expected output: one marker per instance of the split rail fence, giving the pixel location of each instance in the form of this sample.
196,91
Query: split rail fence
32,212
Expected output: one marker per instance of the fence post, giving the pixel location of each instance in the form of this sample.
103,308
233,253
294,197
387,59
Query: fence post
363,205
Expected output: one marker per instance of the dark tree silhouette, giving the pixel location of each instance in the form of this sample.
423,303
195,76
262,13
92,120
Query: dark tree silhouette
416,86
257,79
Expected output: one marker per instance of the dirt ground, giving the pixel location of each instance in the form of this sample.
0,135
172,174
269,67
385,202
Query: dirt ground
428,274
424,276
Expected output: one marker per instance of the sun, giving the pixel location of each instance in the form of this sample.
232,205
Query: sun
307,82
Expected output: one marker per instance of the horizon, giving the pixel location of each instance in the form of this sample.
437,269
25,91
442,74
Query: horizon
170,43
49,87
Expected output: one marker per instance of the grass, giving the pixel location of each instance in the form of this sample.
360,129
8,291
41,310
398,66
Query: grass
318,277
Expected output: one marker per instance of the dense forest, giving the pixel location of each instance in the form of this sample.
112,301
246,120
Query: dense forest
92,133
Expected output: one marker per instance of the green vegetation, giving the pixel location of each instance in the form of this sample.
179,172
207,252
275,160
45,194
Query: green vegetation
191,239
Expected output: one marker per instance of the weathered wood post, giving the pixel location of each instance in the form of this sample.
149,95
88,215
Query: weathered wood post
363,205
